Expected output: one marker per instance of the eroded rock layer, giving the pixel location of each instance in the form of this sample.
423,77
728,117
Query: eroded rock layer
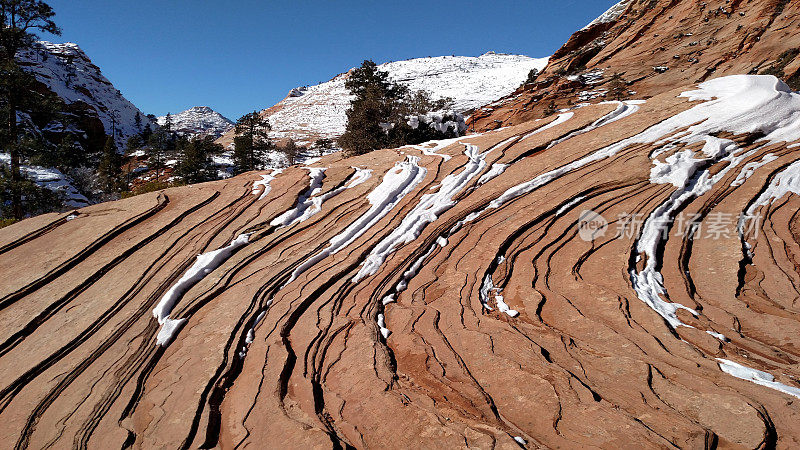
445,295
654,46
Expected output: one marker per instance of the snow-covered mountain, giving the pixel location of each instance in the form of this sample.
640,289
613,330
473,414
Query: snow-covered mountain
199,121
69,73
310,112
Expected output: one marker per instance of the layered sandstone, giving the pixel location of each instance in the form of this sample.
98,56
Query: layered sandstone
443,295
655,46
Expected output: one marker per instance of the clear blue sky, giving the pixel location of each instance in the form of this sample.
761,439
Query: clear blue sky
243,55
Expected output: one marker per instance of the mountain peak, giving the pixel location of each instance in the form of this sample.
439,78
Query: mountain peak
66,70
198,121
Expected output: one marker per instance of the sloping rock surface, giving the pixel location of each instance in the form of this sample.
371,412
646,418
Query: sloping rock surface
655,46
456,294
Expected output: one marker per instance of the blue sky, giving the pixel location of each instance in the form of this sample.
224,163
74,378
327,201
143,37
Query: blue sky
243,55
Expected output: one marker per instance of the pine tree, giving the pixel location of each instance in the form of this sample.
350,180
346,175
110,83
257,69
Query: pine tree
109,170
195,164
532,75
323,144
168,123
66,156
138,122
133,144
251,142
35,199
146,132
19,20
382,114
290,151
421,102
617,87
372,110
157,150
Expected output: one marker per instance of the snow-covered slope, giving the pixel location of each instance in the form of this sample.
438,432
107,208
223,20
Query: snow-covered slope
68,72
611,14
199,121
51,179
310,112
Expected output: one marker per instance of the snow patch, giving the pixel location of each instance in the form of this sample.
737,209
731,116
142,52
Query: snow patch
205,264
492,173
750,168
756,376
429,208
612,14
264,183
396,184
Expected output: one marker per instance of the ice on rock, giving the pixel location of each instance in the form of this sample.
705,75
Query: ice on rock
428,210
756,376
205,264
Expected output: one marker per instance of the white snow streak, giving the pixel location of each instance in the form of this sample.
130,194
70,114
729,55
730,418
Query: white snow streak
559,120
756,376
264,182
396,184
205,264
429,208
307,203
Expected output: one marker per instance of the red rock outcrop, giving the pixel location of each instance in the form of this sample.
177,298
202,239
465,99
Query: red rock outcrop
655,46
432,296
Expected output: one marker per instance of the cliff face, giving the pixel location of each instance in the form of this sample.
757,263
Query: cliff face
657,45
96,108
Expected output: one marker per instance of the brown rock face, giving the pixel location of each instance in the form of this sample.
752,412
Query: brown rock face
655,46
444,296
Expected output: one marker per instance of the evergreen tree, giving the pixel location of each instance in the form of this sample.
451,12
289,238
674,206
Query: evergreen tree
19,20
34,198
532,75
109,170
168,123
133,144
323,144
617,87
146,133
372,110
421,102
251,142
65,156
290,151
195,164
383,114
138,122
157,150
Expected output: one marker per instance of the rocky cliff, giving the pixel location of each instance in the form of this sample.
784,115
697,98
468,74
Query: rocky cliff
95,107
657,45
